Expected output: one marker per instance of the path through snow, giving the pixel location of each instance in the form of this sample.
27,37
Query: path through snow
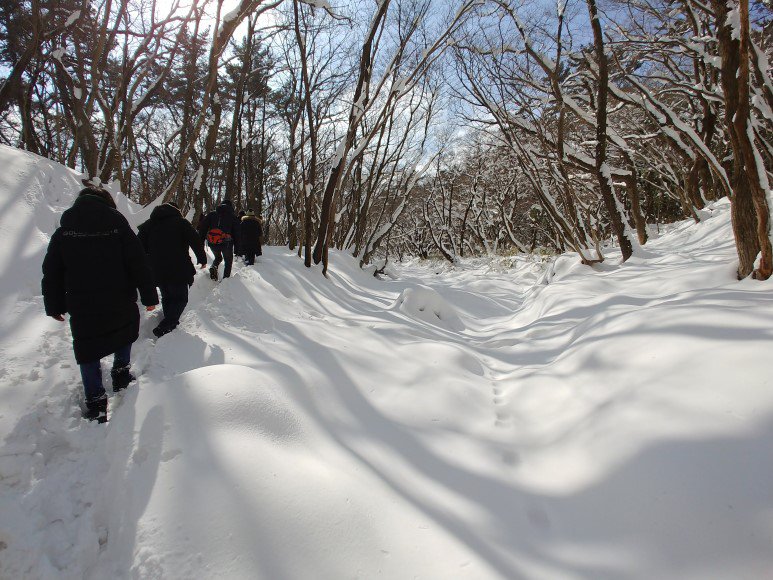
469,422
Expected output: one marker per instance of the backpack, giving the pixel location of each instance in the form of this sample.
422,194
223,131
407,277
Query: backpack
216,236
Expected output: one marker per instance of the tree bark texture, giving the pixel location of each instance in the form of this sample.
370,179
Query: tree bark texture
749,205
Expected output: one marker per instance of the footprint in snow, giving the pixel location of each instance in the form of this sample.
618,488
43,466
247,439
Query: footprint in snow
511,458
170,454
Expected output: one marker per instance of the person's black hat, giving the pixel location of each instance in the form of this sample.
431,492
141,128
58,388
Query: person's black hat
99,192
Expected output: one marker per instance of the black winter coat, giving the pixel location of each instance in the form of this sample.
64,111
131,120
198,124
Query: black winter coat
92,270
222,218
251,233
166,237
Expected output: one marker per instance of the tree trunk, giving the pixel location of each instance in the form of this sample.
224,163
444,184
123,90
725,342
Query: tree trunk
749,205
233,144
200,186
358,105
632,187
261,182
309,178
602,170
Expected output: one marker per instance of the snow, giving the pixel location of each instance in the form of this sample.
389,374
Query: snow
761,105
74,15
197,180
762,174
553,421
400,85
734,20
232,15
425,304
318,4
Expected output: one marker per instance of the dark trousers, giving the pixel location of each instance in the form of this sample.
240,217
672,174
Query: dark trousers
91,372
223,252
249,256
174,298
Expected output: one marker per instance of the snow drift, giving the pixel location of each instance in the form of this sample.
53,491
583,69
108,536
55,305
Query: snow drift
423,303
614,422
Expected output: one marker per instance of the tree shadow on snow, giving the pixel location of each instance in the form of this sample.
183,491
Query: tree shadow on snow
672,509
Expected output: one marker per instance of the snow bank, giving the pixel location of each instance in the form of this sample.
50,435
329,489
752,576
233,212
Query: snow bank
423,303
483,420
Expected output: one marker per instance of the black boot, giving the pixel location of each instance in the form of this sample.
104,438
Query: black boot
96,409
213,273
121,378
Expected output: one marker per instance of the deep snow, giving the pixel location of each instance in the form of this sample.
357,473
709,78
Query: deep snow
506,418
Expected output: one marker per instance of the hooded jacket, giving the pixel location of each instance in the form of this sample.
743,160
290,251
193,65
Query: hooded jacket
166,238
92,270
251,232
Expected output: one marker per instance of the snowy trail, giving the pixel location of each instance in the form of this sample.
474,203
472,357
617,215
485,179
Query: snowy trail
469,437
501,419
452,415
49,445
271,342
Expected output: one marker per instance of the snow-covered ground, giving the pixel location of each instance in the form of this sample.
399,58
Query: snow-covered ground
502,419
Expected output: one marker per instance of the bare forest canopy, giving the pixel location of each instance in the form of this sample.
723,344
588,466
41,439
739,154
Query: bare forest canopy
409,126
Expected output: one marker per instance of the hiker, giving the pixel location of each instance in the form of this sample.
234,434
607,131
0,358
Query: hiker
200,221
238,252
251,233
220,229
92,270
166,237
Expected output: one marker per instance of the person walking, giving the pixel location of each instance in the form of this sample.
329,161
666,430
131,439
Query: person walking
251,233
166,237
238,252
220,229
92,270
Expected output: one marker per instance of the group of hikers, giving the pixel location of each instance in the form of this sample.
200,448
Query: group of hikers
95,265
227,233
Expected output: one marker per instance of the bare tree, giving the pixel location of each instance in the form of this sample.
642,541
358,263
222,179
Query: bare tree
367,94
750,210
603,175
225,25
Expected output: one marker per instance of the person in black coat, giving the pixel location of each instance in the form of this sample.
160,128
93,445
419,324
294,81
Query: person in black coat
92,270
238,252
221,230
166,237
250,235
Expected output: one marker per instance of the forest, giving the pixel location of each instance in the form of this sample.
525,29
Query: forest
409,127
